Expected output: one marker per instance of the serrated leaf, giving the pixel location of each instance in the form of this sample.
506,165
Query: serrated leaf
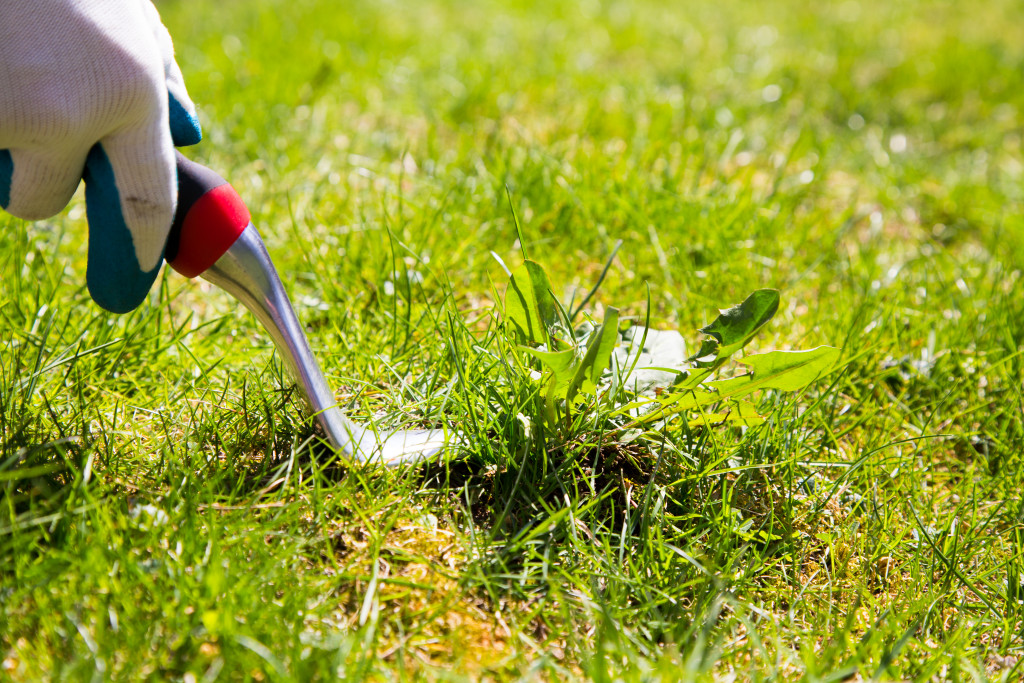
735,327
529,305
783,370
598,356
791,370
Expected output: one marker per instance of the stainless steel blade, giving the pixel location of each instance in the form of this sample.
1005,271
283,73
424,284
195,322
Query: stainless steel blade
246,272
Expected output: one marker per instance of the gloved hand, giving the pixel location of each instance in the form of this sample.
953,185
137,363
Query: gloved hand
90,88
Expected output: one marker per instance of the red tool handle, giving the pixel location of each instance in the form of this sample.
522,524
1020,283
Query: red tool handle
209,218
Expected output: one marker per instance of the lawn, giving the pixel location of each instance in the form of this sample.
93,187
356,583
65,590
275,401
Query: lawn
168,512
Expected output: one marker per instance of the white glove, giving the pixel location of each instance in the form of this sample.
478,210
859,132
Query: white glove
96,80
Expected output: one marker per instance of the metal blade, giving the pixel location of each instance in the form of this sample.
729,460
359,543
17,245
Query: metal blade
246,272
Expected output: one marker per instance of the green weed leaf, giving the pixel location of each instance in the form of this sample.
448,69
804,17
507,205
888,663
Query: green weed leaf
735,327
598,356
562,365
529,305
791,370
783,370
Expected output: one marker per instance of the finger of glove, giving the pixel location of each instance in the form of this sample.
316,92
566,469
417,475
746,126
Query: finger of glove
142,160
131,191
6,171
37,184
114,277
184,123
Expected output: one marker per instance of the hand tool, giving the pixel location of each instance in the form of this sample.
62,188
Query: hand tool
214,238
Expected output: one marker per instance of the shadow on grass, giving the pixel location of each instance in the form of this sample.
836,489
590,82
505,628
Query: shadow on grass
506,498
37,484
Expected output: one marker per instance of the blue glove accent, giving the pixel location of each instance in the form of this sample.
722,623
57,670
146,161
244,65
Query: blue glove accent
115,280
185,128
6,171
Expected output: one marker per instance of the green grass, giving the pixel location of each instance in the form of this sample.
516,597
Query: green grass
168,514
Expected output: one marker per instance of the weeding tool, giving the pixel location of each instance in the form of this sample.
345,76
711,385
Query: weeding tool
214,238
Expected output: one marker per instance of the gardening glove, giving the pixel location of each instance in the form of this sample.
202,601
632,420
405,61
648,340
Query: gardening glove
90,88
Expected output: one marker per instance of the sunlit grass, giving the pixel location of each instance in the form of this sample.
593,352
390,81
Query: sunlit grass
167,513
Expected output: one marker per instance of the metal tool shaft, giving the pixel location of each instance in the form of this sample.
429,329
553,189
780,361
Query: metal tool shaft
246,272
